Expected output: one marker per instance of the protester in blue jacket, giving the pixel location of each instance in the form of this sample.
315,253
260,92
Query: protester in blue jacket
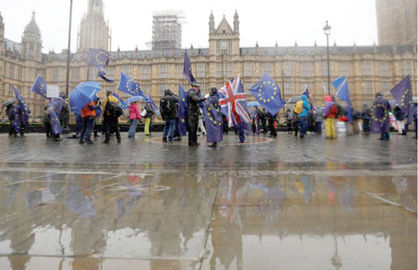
303,116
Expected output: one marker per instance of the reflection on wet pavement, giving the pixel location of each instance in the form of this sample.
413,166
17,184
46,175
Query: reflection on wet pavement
159,215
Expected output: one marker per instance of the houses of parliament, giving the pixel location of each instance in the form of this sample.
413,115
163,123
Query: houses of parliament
369,69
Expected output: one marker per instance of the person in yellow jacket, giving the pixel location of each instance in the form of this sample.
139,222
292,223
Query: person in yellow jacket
111,113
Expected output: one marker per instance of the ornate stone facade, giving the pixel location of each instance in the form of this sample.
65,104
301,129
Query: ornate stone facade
369,69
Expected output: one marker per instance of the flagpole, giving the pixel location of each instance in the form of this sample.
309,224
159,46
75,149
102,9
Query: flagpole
68,50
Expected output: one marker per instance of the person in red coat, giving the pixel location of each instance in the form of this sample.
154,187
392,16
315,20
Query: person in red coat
88,113
134,116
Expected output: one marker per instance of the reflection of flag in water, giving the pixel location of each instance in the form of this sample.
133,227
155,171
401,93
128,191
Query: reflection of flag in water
230,204
98,57
342,93
234,103
129,85
402,93
187,68
267,92
39,86
182,110
213,119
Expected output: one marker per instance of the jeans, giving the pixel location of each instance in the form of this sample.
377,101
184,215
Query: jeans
132,128
303,124
88,123
170,125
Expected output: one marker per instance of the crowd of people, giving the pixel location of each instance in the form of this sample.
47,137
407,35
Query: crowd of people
303,117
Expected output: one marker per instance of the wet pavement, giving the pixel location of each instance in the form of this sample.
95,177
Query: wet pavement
267,204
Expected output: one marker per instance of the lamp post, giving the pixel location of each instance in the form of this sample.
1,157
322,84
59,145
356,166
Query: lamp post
283,74
68,50
327,31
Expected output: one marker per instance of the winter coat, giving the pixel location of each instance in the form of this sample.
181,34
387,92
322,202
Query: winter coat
89,110
134,113
306,107
193,102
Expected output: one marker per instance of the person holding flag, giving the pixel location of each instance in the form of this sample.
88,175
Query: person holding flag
111,112
267,93
330,115
193,112
380,117
403,96
213,118
234,105
11,112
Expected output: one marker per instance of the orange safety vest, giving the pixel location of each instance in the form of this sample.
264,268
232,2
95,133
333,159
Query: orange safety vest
86,111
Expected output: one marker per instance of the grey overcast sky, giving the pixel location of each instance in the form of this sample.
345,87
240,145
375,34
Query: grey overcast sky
262,21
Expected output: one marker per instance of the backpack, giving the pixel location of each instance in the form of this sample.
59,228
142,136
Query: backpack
114,109
164,107
299,107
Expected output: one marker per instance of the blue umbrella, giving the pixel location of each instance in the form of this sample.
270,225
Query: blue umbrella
253,103
83,94
134,98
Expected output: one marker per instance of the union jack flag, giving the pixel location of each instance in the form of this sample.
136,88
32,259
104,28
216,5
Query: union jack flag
234,102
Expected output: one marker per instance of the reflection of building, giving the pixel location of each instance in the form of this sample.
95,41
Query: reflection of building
369,69
396,22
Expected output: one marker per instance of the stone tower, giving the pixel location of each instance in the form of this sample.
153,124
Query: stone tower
31,41
396,22
94,32
223,40
2,49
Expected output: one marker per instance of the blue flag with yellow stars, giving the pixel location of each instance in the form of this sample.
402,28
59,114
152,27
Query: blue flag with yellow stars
148,99
98,57
402,93
39,86
267,93
123,104
182,110
212,116
187,68
129,86
342,93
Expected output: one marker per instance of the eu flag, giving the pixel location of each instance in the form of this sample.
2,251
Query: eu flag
267,92
123,104
187,68
98,57
129,86
39,86
342,93
182,110
102,74
212,116
403,96
154,107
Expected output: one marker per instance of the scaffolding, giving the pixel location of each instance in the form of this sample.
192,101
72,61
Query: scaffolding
166,30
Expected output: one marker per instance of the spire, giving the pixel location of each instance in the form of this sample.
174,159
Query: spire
236,22
32,32
211,22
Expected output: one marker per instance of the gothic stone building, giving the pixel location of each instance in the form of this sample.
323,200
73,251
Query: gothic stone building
369,69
